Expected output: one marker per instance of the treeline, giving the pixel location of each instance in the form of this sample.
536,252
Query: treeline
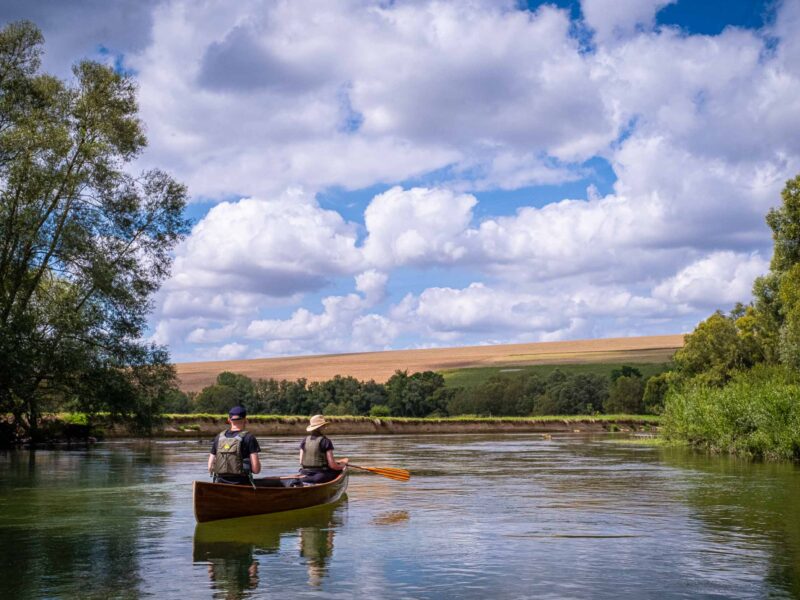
735,387
425,394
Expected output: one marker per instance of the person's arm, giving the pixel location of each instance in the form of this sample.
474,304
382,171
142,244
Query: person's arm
301,457
212,455
333,463
255,464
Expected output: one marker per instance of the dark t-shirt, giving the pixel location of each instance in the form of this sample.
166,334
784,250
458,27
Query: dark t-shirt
324,446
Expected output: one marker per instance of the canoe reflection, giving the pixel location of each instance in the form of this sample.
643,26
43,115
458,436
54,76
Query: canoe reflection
231,548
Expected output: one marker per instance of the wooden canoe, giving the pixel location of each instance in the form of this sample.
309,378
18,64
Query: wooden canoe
214,501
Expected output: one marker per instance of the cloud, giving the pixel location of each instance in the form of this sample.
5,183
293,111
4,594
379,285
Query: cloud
364,93
278,247
612,19
478,308
80,28
416,226
243,62
718,280
232,351
372,284
342,326
248,102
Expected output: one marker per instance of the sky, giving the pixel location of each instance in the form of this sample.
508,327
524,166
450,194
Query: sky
371,175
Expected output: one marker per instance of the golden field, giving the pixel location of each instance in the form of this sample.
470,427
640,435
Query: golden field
381,365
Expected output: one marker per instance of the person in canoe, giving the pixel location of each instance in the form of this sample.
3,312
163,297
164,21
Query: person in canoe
234,452
316,454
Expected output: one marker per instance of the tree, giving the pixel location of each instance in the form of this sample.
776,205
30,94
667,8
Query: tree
625,371
655,392
714,350
625,396
83,244
217,399
415,395
244,386
777,294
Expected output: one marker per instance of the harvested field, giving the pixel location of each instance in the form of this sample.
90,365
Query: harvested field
381,365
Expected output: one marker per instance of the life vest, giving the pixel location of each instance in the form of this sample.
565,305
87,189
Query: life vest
313,456
229,459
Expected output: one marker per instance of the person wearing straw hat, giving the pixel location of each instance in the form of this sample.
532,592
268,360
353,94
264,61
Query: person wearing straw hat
316,454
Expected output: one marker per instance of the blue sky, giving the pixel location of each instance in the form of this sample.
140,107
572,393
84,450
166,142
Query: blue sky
417,174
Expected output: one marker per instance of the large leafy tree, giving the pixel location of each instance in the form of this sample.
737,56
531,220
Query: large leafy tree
83,243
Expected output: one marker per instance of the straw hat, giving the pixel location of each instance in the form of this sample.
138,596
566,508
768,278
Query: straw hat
316,422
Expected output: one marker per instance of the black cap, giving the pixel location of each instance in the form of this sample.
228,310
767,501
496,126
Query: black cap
237,412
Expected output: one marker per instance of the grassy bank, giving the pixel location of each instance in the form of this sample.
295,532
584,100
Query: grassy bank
203,425
476,376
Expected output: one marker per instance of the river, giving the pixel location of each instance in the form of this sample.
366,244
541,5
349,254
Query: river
500,516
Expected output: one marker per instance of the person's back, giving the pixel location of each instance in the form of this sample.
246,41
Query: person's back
234,452
316,454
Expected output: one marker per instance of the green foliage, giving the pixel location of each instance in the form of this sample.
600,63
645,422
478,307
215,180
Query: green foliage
565,395
217,399
625,395
83,243
527,393
625,371
416,395
655,392
714,351
177,402
756,414
475,376
728,393
379,410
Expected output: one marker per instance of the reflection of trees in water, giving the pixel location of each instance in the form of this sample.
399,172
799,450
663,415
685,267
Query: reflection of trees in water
71,523
751,500
231,547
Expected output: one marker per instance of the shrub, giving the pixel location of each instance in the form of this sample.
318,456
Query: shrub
379,410
756,414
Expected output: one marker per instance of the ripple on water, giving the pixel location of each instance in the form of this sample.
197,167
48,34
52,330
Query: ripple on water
512,516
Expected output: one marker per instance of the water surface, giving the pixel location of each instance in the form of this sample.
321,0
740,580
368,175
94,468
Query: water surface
504,516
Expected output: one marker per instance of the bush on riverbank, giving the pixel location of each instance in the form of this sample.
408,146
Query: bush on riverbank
757,414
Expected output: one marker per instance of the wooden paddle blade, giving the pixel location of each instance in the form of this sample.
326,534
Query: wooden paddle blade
388,472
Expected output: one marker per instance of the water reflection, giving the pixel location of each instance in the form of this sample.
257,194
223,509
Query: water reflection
232,549
78,511
573,516
748,506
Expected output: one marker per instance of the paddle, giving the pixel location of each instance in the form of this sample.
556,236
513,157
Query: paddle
388,472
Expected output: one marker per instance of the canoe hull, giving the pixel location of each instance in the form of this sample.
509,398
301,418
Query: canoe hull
214,501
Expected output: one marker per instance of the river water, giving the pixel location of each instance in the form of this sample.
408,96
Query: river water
500,516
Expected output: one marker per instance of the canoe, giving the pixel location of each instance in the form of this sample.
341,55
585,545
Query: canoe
214,501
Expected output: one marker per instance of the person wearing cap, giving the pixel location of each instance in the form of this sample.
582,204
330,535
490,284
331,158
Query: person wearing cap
234,452
316,454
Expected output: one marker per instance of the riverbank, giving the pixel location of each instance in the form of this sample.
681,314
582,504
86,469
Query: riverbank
188,426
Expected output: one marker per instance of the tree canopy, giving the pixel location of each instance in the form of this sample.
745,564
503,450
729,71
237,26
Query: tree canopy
83,243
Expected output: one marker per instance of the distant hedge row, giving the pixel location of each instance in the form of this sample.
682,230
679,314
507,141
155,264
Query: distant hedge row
426,395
